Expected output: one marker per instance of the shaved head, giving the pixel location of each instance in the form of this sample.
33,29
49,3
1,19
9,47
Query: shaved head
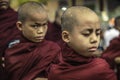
30,8
76,15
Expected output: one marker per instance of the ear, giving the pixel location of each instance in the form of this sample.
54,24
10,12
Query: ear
66,36
19,25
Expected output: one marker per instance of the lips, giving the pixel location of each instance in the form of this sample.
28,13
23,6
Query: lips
39,38
92,49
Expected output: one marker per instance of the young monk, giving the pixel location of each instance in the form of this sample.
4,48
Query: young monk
29,55
81,34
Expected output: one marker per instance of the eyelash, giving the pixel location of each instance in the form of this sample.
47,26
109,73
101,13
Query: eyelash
87,34
98,33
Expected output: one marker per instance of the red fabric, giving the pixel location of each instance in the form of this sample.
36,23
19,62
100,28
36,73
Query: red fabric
72,66
27,60
8,30
118,72
8,27
111,53
2,73
54,32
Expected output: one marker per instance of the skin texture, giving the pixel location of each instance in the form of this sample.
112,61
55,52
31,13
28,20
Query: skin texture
84,38
81,34
34,24
35,27
41,79
4,4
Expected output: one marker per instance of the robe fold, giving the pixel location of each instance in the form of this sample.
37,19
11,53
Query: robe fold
112,52
26,60
8,30
54,32
69,65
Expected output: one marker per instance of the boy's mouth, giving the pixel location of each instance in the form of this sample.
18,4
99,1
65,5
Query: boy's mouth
39,38
92,49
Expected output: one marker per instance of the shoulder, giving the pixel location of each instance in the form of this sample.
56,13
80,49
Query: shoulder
115,41
102,65
100,62
105,69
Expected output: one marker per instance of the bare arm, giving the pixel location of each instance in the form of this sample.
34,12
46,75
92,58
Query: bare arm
40,78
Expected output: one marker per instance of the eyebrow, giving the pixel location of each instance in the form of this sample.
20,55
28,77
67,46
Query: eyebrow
92,29
98,29
40,23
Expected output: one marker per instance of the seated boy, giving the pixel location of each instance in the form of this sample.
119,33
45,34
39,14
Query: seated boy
81,34
29,55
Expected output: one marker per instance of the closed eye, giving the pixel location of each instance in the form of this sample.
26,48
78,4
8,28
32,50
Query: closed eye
98,32
87,32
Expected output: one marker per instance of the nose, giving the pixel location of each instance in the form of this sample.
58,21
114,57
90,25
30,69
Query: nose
40,30
94,38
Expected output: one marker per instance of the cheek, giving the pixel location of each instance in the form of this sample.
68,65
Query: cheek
46,28
80,43
29,32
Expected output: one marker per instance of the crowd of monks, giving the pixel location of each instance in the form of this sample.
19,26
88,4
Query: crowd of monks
35,49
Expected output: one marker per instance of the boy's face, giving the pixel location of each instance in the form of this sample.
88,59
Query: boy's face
84,39
34,28
4,4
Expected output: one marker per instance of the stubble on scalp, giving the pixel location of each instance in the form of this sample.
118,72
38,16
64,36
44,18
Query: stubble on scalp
76,15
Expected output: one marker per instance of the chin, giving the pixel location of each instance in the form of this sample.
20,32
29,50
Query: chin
4,8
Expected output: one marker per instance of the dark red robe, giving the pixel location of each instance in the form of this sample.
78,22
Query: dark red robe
26,60
72,66
112,52
8,30
54,32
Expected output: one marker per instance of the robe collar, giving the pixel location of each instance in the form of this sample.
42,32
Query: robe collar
73,58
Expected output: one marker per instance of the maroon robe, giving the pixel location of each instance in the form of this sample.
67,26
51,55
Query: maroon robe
54,32
26,60
2,73
112,52
8,30
72,66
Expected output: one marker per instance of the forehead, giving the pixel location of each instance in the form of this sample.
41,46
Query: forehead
40,17
88,25
88,20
